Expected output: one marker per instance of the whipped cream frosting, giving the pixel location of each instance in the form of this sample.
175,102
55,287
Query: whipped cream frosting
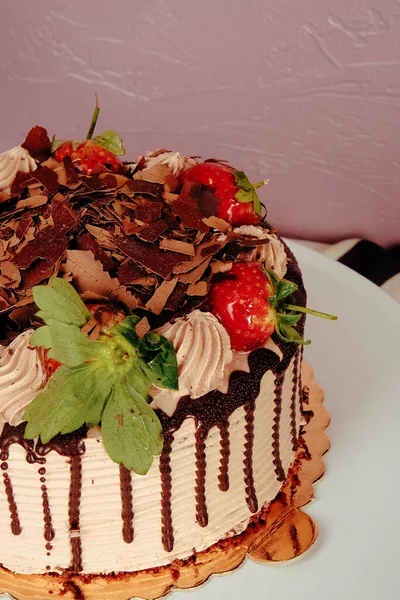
203,352
174,160
12,161
21,378
272,254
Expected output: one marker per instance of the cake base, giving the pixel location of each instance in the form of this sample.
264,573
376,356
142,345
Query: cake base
280,533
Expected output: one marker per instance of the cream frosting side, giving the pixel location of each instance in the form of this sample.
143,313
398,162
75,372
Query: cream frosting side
272,254
203,352
174,160
21,378
12,161
103,548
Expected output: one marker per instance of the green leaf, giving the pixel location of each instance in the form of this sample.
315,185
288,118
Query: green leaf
246,191
61,302
285,288
55,144
109,140
131,429
288,319
72,397
290,334
157,353
67,344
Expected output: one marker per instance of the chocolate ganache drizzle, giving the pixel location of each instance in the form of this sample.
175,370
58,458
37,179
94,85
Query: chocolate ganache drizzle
211,410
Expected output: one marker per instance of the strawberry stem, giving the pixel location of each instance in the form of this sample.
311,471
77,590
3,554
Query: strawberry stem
260,183
94,119
309,311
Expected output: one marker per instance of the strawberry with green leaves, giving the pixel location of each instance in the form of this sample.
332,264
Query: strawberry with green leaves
92,155
252,303
238,200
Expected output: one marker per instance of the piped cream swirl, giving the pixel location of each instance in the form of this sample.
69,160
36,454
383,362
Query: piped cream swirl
175,161
12,161
203,351
272,254
21,378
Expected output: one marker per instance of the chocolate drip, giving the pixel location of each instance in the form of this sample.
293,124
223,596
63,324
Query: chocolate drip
75,489
125,478
251,497
48,522
71,444
280,473
15,523
293,425
15,435
167,531
223,476
200,489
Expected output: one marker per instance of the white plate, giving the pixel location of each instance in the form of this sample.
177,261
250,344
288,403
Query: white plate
357,508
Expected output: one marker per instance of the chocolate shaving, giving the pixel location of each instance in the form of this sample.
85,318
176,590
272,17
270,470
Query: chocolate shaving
102,236
177,246
41,270
72,177
217,223
32,202
88,242
189,214
159,299
89,276
207,203
38,144
177,297
87,328
142,327
148,212
196,274
10,275
129,271
139,186
20,183
23,315
49,244
47,178
161,262
197,289
153,231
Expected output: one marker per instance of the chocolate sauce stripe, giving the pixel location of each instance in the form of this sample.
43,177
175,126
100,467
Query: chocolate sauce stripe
167,531
200,488
251,496
15,524
293,416
276,451
75,490
126,504
223,477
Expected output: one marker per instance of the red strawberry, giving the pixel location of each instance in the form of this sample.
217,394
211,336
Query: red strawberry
239,203
252,303
50,364
92,155
241,304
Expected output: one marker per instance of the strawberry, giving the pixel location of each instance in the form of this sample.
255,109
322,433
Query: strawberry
92,155
251,303
238,200
50,364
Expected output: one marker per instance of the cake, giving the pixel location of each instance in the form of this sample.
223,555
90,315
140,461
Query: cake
150,368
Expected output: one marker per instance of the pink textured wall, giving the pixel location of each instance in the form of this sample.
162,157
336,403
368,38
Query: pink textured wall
304,92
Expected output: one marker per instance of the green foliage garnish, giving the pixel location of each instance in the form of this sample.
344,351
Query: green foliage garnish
110,141
107,380
289,314
247,191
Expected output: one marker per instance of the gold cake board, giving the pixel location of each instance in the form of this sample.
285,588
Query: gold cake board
282,533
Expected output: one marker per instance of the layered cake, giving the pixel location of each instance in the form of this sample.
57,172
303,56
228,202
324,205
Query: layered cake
151,330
